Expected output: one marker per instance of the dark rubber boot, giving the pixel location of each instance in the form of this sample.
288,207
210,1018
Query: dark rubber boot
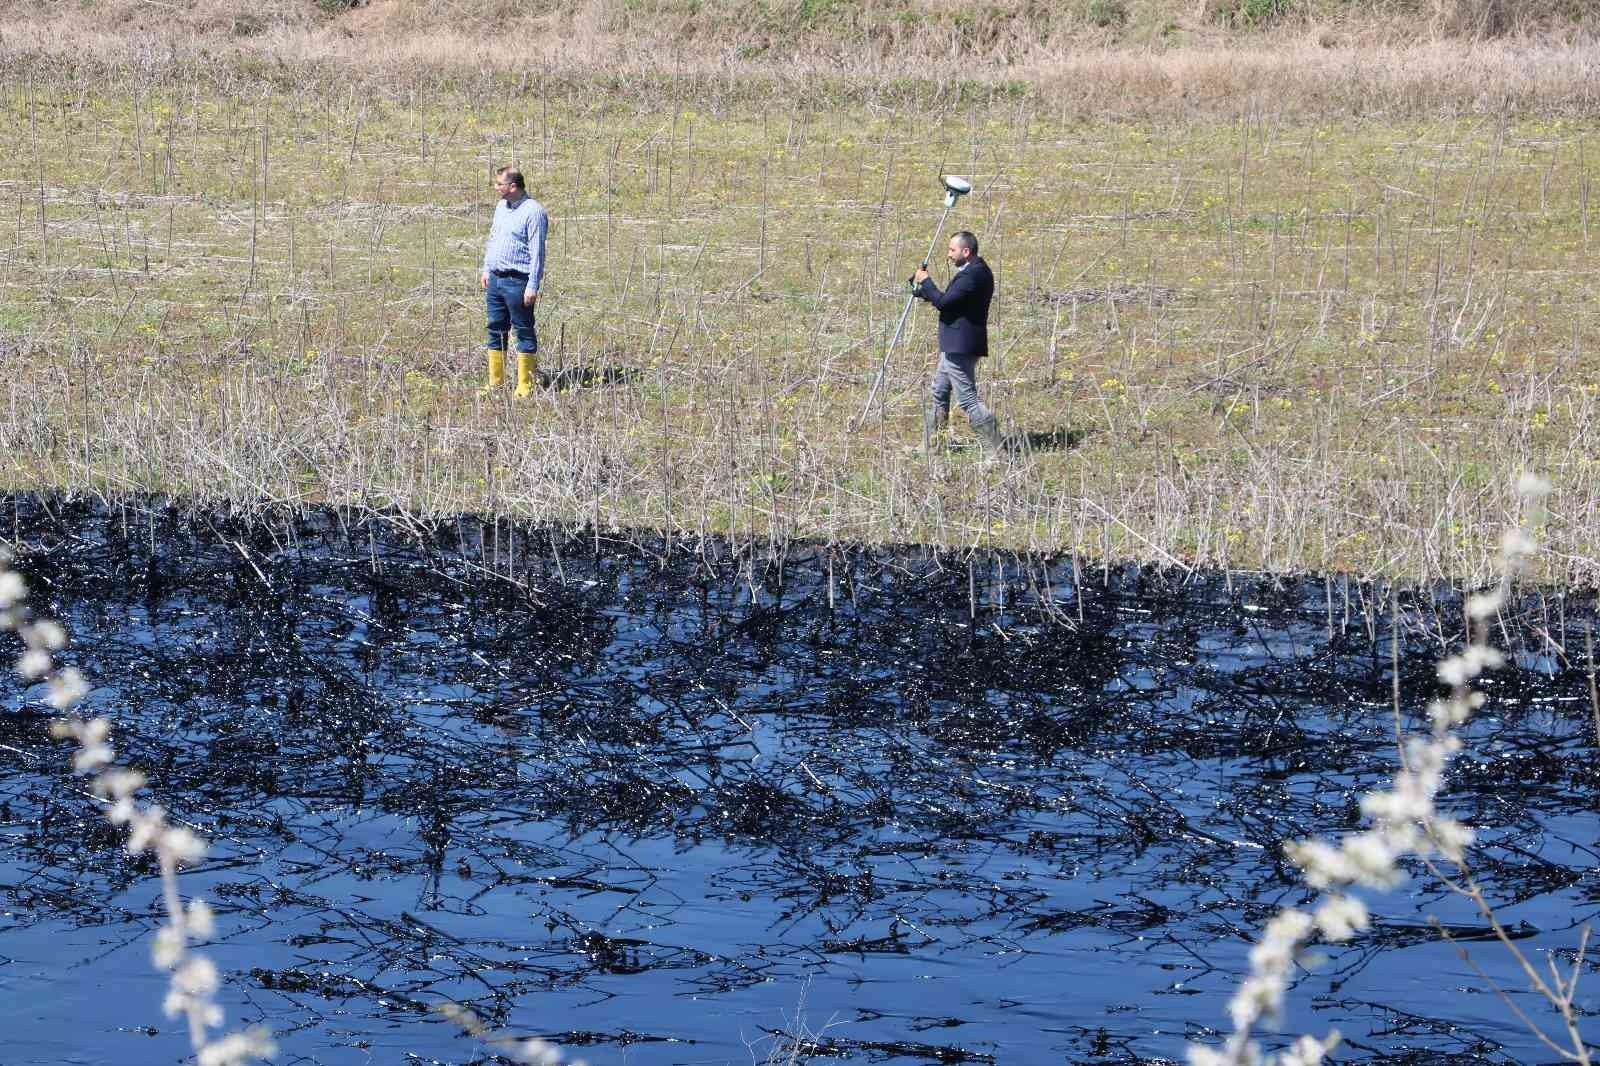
933,426
987,429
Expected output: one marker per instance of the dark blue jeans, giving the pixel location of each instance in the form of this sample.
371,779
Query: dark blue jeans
503,299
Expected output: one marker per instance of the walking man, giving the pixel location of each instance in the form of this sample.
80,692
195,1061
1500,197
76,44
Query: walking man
513,267
963,340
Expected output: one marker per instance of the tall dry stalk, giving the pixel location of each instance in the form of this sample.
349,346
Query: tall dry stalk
1406,822
193,980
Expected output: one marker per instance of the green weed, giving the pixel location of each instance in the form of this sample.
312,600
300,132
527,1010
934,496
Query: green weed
1269,342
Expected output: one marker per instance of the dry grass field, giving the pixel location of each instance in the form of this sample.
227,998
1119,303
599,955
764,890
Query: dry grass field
1307,301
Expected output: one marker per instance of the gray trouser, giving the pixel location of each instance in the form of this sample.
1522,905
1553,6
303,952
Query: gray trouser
958,372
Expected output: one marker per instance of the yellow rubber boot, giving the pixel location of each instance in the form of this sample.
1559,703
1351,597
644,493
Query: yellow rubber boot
497,369
527,373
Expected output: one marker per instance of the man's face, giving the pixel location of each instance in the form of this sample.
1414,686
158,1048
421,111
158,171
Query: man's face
957,253
506,188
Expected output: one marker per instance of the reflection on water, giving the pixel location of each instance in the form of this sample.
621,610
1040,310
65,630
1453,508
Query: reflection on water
661,803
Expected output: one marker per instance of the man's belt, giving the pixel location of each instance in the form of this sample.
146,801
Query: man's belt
521,275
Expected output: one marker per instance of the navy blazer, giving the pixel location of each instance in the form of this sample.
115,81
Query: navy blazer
963,308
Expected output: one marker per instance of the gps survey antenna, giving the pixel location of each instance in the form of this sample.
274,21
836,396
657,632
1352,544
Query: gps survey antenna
954,189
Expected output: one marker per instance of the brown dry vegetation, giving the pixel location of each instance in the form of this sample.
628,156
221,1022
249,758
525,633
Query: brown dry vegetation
1092,56
998,31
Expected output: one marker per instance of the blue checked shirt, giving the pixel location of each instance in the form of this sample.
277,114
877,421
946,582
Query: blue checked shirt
516,239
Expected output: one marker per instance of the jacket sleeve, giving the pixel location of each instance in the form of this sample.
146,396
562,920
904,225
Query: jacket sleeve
962,291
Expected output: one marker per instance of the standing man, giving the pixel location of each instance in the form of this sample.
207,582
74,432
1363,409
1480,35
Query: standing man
513,266
963,339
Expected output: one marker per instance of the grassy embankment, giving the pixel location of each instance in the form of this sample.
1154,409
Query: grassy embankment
1243,327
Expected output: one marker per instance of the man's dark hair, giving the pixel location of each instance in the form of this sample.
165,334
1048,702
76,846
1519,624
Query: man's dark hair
967,240
514,176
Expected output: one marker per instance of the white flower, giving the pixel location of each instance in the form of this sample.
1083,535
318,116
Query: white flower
1424,756
225,1051
539,1052
118,783
200,920
1271,955
1323,865
1453,671
1288,925
1398,805
1399,838
1484,604
13,589
236,1048
1309,1051
178,1002
1451,837
1457,670
1447,714
460,1015
1516,543
196,977
48,635
1484,657
33,664
1532,486
1200,1055
66,689
146,827
183,845
167,947
1257,997
1373,860
89,759
1341,916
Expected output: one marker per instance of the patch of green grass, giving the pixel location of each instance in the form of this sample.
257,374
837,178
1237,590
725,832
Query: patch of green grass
1276,344
14,318
1250,13
815,14
1106,13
